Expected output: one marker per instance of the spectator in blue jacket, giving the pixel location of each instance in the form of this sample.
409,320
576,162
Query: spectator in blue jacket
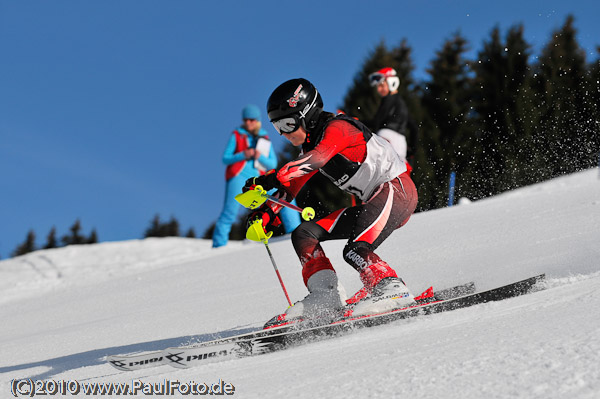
248,153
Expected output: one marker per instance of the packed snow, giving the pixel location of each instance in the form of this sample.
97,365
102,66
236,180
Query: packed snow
66,309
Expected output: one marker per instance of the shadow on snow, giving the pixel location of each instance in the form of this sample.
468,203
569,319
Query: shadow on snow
97,357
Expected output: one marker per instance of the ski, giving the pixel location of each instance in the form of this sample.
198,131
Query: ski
212,350
184,357
136,361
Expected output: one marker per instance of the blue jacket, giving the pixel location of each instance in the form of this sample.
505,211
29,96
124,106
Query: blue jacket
233,156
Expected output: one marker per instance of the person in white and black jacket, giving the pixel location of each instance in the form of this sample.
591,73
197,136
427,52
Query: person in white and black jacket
391,119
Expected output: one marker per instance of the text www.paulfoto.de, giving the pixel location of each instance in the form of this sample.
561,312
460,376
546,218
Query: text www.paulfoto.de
30,387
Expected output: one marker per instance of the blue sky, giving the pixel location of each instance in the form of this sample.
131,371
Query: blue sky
113,111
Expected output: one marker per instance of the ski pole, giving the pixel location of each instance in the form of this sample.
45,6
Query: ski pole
257,233
277,272
252,199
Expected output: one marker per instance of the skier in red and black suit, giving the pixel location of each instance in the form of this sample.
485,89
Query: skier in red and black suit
358,162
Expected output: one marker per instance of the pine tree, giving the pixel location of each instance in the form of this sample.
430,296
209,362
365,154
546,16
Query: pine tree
51,241
567,126
172,228
238,229
521,157
208,233
191,233
447,135
93,238
500,106
594,79
594,69
27,246
159,229
154,229
75,238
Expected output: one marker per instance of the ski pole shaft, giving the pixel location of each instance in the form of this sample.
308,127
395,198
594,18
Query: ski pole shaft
277,272
252,199
307,213
257,233
283,203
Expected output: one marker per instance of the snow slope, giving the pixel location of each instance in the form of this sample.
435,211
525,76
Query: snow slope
65,309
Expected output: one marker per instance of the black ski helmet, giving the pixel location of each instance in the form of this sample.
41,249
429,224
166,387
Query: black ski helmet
297,98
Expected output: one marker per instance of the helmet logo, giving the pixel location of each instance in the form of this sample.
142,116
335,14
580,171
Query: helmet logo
293,101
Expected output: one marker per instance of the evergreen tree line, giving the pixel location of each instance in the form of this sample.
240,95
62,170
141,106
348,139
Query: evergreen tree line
157,228
167,229
501,121
75,237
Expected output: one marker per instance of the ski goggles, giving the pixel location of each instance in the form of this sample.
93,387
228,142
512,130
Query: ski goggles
376,78
287,125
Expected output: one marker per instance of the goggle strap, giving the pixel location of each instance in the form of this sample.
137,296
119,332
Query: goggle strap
303,114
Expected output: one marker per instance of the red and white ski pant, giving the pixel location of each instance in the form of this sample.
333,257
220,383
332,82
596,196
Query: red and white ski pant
365,226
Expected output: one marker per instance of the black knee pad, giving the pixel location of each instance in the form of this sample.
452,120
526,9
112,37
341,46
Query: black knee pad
307,230
308,233
359,254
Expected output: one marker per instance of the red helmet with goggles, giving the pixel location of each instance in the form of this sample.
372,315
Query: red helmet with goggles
388,75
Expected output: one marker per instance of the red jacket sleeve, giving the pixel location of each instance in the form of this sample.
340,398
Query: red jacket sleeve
337,137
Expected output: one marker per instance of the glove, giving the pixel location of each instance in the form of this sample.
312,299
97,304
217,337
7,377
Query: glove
268,182
269,219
